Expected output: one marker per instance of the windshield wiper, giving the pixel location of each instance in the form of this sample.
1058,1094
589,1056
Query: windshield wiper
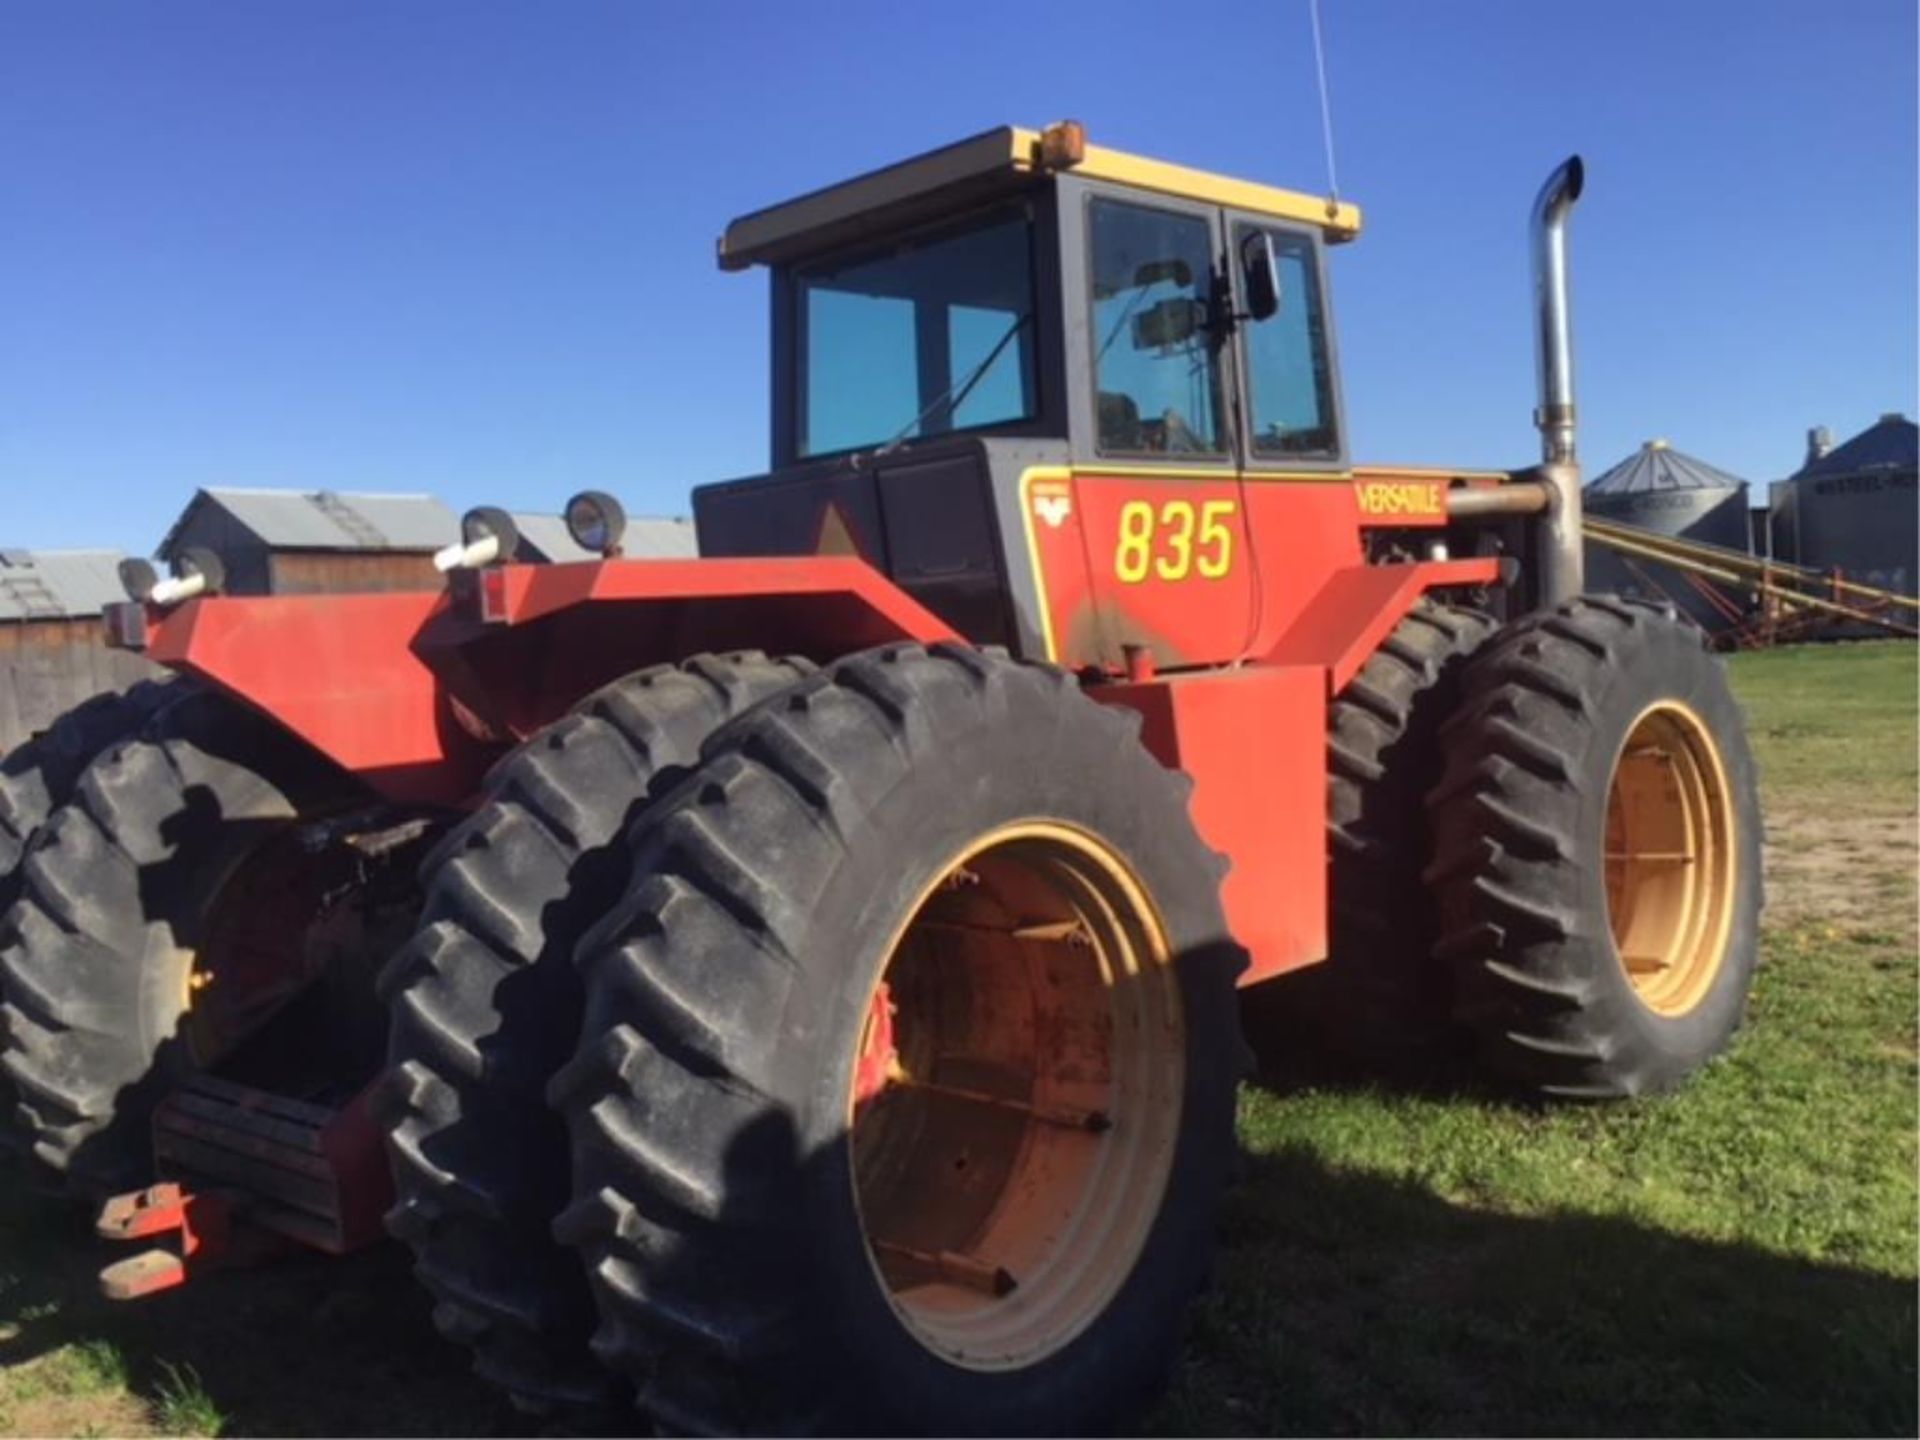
954,395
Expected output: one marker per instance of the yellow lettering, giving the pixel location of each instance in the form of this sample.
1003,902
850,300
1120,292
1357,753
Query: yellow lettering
1175,541
1136,542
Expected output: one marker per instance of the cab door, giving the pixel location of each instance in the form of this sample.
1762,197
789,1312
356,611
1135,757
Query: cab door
1302,515
1155,483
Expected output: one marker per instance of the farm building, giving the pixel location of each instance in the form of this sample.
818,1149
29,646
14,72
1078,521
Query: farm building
52,648
272,542
1668,492
1855,508
292,542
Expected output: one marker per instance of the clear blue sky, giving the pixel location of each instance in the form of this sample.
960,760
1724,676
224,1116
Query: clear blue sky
467,247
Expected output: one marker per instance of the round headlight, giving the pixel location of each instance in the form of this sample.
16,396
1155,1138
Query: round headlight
596,521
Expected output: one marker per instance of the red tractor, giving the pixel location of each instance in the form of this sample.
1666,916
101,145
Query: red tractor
799,986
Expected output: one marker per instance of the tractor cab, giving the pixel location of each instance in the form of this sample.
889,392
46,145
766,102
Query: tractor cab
973,290
963,342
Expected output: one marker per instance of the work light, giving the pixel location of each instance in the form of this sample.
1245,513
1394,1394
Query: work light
195,572
138,577
596,521
487,535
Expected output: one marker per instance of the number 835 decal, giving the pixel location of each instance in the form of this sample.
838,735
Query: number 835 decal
1174,540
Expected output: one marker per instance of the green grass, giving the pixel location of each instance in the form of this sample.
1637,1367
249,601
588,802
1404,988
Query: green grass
1834,721
1735,1259
1739,1258
181,1405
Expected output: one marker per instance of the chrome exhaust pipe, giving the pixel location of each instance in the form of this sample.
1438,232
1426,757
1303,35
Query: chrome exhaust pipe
1562,563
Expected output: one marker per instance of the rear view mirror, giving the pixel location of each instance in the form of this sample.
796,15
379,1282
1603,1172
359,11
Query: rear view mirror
1260,268
1171,322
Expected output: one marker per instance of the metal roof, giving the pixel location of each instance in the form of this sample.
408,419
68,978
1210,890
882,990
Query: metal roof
647,538
327,519
57,584
545,537
1891,443
664,538
1657,466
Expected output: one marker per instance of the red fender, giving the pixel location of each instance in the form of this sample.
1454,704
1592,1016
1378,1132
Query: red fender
418,693
1357,608
1254,740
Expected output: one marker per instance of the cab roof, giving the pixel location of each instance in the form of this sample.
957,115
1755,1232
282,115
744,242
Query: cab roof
995,163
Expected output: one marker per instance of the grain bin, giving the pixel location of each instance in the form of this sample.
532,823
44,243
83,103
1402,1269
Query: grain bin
1668,492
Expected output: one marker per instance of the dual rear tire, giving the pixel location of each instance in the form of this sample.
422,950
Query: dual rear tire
1596,852
485,1005
907,1047
1544,851
905,1093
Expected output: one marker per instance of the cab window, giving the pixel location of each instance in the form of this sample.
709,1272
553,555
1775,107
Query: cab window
1156,369
1289,376
933,336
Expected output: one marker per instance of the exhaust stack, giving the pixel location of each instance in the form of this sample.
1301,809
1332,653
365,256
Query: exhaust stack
1562,564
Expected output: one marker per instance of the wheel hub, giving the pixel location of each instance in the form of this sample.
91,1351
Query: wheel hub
1670,858
1016,1096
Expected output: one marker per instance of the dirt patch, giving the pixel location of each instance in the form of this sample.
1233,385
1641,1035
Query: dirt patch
55,1414
1843,866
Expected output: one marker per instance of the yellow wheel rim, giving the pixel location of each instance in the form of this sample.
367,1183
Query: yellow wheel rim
1017,1096
1670,858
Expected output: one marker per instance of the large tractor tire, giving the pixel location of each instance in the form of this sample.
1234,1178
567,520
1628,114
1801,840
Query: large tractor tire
1380,999
37,778
485,1006
905,1094
162,922
1597,852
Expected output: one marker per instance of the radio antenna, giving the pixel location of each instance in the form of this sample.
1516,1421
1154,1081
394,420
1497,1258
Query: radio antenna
1326,109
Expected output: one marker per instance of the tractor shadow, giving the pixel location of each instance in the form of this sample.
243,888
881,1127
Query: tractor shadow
304,1346
1355,1304
1342,1304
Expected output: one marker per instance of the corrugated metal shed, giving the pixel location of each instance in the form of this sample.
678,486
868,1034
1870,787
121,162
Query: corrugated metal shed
1890,443
325,519
53,650
1855,509
545,537
1657,466
57,584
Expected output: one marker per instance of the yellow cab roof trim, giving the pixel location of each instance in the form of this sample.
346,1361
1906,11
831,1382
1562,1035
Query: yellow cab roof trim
1340,221
992,163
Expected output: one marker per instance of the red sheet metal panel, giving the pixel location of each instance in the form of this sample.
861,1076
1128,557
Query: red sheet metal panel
1201,568
395,687
1254,742
559,632
341,672
536,590
1357,608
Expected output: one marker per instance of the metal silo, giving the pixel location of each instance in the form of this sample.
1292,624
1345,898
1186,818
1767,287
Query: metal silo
1854,508
1663,490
